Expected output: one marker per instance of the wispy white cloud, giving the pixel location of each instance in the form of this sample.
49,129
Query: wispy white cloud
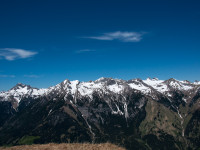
32,76
120,36
84,50
6,76
14,53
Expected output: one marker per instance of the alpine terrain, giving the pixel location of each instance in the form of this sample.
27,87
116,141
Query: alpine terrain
136,114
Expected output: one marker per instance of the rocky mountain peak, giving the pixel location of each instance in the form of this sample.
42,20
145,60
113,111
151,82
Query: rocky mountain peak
19,86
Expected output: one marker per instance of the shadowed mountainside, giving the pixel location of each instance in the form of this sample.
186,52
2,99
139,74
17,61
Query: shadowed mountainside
136,114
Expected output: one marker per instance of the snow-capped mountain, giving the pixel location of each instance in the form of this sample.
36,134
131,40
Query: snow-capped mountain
137,114
19,91
105,85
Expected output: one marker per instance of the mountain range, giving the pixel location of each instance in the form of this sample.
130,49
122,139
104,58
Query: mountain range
136,114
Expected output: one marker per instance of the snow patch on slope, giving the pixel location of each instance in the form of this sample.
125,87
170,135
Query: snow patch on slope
138,85
180,85
102,85
159,85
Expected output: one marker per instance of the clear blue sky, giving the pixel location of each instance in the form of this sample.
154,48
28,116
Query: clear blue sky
43,42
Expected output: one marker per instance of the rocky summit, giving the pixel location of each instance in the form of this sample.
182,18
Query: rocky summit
135,114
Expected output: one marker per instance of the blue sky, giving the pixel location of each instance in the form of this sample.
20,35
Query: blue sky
43,42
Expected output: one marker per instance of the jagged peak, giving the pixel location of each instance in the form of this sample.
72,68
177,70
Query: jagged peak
152,79
104,79
109,81
196,82
150,87
148,78
137,79
137,83
75,82
20,85
66,81
186,82
172,79
155,79
177,81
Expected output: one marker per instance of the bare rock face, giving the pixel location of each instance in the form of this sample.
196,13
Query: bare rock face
140,114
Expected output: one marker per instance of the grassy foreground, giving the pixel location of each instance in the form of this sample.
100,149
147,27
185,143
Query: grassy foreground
65,146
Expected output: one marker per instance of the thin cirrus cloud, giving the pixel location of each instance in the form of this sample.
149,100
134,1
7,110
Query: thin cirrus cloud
84,51
120,36
15,53
6,76
32,76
